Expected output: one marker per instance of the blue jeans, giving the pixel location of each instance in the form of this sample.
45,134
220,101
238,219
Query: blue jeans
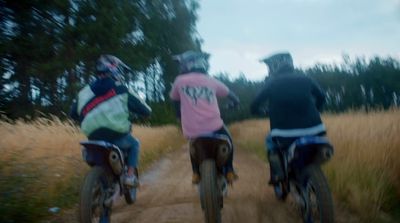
270,144
275,166
131,145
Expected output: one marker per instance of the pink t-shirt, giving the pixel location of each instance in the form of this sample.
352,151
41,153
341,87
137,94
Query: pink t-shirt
199,106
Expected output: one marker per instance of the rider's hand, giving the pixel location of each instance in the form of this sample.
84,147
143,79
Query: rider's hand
232,105
262,112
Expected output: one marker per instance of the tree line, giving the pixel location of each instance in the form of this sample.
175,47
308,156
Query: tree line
48,50
357,84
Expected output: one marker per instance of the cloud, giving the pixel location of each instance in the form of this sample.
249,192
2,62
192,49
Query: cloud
236,57
236,61
312,30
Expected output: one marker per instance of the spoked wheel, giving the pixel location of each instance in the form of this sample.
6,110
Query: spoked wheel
94,192
209,192
312,211
317,198
298,200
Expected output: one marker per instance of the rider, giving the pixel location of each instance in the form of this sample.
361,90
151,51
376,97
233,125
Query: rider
103,111
196,93
293,104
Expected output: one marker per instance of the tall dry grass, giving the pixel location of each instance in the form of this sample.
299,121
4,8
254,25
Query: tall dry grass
364,174
41,164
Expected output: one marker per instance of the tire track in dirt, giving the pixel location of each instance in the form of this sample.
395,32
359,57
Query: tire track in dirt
167,195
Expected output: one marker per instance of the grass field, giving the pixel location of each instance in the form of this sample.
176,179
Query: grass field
364,174
41,164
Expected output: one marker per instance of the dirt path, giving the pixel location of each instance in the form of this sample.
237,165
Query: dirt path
167,195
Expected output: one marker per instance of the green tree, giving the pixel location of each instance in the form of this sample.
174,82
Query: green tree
48,48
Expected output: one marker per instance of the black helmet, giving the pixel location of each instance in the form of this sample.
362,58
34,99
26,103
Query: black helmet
192,61
279,62
111,66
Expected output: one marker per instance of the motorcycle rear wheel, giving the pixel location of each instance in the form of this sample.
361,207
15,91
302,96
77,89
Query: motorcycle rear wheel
318,197
130,195
94,192
209,192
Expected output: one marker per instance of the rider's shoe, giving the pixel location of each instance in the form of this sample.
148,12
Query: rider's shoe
275,179
272,182
275,176
195,178
131,181
231,176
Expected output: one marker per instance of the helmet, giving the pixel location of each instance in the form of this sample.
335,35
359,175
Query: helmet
111,66
191,61
279,62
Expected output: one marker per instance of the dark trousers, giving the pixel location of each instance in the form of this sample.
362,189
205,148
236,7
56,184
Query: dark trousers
229,163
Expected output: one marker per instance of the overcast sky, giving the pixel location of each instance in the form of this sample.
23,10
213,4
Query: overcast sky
238,33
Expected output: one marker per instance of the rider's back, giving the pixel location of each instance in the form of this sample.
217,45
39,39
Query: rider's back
198,94
103,109
293,101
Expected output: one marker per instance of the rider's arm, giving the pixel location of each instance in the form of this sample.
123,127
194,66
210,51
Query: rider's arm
260,99
223,91
138,105
232,96
318,94
177,106
174,93
73,113
175,97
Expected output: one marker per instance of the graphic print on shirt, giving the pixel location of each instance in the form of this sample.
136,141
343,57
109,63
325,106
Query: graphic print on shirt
194,93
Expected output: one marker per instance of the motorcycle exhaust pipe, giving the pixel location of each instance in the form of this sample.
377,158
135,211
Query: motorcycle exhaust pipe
115,163
326,153
224,151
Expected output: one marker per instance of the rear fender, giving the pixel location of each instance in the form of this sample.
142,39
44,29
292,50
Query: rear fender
310,149
98,153
216,147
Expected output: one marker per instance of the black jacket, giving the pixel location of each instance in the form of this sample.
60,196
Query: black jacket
293,101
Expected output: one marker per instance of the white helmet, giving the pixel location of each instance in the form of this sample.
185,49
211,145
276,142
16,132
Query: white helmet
111,66
192,61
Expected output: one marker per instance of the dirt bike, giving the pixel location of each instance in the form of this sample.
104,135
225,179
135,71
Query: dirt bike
303,178
104,181
211,152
